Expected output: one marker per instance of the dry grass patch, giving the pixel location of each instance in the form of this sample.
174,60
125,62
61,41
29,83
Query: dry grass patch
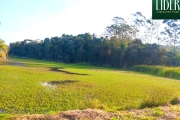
157,113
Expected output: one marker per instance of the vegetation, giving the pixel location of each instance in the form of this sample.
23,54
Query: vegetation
171,72
37,88
3,49
114,53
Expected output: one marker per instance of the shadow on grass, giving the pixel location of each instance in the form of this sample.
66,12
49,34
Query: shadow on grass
66,72
62,82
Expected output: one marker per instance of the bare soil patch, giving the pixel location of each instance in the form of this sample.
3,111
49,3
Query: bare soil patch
62,82
88,114
167,113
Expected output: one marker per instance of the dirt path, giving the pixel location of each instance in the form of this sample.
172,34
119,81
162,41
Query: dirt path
158,113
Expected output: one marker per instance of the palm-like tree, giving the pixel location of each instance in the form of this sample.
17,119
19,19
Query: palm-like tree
3,49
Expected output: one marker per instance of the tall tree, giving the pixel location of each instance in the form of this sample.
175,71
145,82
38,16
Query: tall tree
120,29
172,30
47,46
137,22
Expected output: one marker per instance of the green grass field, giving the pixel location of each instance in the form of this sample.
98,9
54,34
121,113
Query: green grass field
48,87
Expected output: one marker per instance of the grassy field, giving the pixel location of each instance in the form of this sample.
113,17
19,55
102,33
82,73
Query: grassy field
48,87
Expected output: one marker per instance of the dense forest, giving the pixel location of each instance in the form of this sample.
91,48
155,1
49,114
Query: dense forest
123,44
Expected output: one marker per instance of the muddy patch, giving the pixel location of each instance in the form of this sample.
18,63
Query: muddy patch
66,72
47,85
53,84
62,82
16,63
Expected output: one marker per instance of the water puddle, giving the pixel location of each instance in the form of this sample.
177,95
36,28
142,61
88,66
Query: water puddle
53,84
48,85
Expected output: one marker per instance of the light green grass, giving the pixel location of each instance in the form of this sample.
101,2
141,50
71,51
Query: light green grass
4,116
21,90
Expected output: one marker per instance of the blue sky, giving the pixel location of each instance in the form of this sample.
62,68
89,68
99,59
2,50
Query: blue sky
38,19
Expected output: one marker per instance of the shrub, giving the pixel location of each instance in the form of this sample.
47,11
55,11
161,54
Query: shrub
175,101
158,113
171,72
155,99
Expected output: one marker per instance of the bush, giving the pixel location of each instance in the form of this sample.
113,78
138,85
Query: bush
175,101
171,72
155,99
158,113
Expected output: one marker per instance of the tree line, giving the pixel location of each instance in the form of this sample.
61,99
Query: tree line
85,48
123,44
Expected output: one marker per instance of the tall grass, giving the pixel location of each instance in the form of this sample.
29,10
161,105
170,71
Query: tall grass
171,72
